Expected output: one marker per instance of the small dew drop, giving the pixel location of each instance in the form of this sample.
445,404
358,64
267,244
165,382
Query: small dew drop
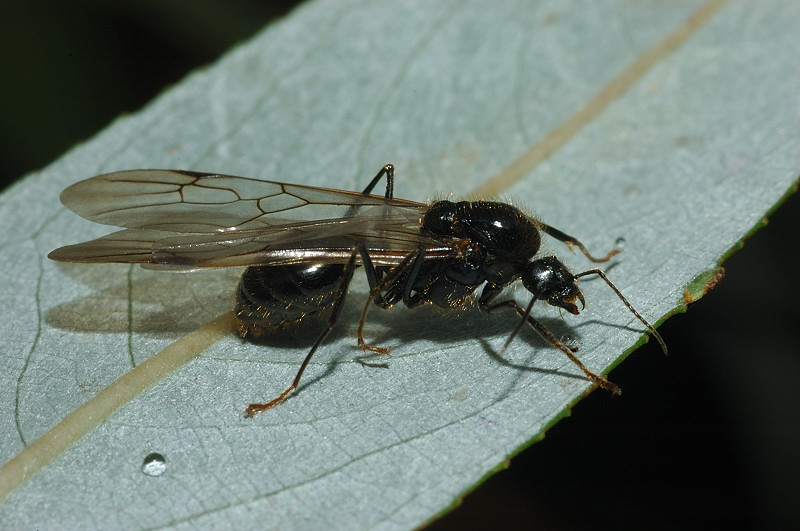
154,464
620,243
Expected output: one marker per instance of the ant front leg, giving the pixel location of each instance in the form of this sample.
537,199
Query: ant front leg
490,292
569,241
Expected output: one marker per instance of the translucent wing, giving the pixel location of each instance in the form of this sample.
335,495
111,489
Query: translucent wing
181,219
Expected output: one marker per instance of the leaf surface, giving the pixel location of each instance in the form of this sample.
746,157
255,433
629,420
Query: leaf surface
671,126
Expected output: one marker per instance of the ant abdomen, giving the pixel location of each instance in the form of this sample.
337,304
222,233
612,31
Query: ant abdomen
279,298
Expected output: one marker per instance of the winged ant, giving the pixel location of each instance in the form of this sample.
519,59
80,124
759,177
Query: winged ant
302,245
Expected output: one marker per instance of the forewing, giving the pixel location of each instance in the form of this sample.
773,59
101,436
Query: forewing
186,220
192,202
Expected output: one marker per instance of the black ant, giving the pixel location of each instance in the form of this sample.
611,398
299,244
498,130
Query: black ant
302,245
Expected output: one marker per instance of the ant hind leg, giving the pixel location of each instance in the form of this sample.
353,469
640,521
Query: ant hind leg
338,305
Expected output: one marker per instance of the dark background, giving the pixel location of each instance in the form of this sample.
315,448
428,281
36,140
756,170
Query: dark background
707,436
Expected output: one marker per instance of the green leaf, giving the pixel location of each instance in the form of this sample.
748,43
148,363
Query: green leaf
671,126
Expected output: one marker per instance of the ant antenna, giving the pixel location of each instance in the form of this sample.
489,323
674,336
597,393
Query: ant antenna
602,275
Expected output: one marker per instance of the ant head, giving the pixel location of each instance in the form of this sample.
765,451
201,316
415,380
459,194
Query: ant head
550,280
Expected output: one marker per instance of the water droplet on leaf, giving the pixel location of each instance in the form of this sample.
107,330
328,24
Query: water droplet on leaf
154,464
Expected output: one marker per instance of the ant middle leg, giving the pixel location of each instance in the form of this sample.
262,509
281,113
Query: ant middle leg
388,171
398,274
